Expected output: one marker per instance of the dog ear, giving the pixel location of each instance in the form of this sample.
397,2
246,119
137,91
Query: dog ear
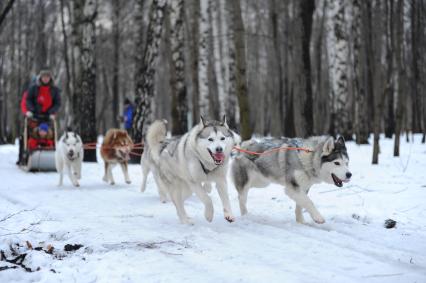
340,142
66,135
328,146
223,123
202,121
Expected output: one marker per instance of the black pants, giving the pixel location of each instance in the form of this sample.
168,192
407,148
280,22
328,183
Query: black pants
22,154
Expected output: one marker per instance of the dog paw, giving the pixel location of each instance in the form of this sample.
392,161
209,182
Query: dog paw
77,185
300,220
112,183
105,179
128,182
319,220
187,221
230,218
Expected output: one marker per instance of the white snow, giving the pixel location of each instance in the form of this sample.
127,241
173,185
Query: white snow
132,237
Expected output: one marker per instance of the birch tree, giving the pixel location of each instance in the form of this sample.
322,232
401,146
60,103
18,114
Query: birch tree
146,70
116,62
85,12
203,81
338,53
179,93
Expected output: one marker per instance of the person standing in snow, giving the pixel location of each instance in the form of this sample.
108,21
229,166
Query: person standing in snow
129,109
43,100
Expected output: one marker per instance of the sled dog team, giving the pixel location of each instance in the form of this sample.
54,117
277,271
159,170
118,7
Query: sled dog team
190,164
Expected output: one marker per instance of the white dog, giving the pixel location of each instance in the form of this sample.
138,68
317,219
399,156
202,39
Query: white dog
69,157
190,164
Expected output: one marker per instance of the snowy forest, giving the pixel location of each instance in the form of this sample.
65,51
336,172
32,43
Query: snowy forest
282,68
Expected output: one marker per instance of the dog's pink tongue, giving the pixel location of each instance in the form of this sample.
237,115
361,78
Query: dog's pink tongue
219,156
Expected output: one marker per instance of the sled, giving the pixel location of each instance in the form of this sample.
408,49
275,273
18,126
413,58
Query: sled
38,160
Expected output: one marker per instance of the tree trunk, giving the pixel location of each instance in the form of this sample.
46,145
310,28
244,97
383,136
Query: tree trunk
85,15
146,73
41,41
338,37
213,97
307,8
240,60
116,63
361,114
5,11
399,49
195,32
203,81
231,109
177,63
68,92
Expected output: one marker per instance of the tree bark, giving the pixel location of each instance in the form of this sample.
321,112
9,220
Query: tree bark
361,114
146,72
177,63
116,63
5,11
307,8
399,49
85,15
203,80
338,54
240,59
68,92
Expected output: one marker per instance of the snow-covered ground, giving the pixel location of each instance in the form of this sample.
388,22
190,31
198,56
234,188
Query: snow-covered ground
128,236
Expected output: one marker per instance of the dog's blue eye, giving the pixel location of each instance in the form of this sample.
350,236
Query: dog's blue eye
337,163
222,138
210,139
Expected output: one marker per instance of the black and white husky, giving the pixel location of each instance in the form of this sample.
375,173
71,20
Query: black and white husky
69,157
296,170
190,164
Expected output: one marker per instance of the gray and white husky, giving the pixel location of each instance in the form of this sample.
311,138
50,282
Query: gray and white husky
69,157
296,170
190,164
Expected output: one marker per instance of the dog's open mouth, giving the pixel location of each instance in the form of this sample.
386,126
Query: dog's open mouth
337,181
218,157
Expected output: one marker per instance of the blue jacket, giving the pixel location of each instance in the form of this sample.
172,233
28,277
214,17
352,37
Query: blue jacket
128,116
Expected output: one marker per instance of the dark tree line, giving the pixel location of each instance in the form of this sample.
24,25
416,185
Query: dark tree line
287,68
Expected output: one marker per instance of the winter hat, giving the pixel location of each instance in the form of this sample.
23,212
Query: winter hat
44,127
45,72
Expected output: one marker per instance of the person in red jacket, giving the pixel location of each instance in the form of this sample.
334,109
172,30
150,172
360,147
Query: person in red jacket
42,137
43,99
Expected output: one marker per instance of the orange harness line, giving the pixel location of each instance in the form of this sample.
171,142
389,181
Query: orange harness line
94,145
272,150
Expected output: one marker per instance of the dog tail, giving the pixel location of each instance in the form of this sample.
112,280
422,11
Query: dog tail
155,135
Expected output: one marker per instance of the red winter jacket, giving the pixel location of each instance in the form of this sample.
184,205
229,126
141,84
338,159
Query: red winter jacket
43,99
24,102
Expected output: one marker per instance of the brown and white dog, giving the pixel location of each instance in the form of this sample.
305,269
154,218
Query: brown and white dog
116,148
